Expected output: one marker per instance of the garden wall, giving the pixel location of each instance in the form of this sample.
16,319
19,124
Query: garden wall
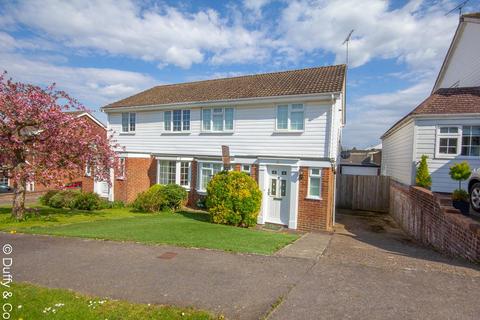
429,218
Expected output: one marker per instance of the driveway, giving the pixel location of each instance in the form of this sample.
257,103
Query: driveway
370,270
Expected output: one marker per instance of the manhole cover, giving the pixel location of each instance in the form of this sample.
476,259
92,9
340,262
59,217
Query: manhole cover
168,255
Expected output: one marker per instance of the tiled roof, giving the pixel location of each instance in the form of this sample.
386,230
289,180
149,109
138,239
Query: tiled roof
451,100
447,101
294,82
475,15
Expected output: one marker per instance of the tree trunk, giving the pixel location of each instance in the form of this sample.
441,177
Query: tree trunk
18,209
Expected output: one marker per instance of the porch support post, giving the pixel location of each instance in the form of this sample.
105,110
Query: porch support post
263,185
294,187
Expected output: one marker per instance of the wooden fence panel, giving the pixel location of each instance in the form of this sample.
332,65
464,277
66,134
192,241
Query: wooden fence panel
369,193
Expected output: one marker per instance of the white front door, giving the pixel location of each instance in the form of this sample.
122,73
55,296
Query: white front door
101,188
278,206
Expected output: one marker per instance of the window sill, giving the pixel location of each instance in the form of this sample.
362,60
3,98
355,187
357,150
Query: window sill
279,132
175,133
217,132
127,133
120,178
201,192
313,198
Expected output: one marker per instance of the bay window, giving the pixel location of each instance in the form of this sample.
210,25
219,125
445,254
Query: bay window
173,172
290,117
176,120
217,119
314,183
207,171
128,122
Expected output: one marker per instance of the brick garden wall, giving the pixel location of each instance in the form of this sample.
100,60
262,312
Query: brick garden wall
429,218
313,214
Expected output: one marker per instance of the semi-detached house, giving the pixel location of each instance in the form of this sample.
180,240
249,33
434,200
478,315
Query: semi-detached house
282,128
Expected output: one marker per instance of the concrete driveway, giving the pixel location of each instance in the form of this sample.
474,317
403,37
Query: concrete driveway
370,270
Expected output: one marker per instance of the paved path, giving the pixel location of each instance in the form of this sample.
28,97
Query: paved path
370,270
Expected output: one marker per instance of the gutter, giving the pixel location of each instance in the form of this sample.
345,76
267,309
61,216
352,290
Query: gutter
243,101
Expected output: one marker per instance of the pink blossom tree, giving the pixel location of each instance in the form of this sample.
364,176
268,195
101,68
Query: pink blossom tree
41,142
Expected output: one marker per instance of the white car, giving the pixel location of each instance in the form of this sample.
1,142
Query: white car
474,190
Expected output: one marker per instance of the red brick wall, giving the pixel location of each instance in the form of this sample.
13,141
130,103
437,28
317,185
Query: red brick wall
315,214
429,218
140,174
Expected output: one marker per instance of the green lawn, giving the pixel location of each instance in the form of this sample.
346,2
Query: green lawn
32,302
187,229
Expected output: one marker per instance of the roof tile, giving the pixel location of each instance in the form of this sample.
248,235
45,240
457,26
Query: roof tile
293,82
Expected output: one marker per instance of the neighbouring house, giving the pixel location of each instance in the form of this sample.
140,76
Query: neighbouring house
85,180
281,128
361,162
446,126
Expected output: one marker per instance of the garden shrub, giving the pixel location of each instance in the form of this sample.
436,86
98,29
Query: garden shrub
175,196
152,200
63,199
45,199
116,204
88,201
233,198
460,172
423,178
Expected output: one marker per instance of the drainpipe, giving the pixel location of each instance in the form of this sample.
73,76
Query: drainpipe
333,134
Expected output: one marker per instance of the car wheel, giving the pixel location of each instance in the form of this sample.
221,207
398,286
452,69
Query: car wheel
475,197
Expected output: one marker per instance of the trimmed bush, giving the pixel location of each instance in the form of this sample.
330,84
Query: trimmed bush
88,201
423,178
45,199
175,196
160,197
63,199
460,172
233,198
151,200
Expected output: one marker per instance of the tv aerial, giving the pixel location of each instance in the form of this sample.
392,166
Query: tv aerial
459,8
346,41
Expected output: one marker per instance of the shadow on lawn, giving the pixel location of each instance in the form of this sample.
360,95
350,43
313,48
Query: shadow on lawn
42,212
195,215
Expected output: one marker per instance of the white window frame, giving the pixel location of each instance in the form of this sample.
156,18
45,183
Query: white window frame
199,173
122,167
462,145
242,168
440,135
223,122
178,167
289,120
310,175
129,126
88,170
182,121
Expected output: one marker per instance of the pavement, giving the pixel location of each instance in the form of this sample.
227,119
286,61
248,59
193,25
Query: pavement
368,269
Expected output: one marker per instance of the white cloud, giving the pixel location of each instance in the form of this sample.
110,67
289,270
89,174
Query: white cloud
414,34
161,34
255,6
371,115
94,87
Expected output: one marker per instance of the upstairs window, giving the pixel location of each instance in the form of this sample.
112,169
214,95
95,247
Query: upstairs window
128,121
217,119
176,120
290,117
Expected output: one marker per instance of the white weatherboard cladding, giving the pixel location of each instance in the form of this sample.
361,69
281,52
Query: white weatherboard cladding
463,69
397,154
254,134
439,168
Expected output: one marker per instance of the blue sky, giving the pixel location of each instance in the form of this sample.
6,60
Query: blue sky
101,51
